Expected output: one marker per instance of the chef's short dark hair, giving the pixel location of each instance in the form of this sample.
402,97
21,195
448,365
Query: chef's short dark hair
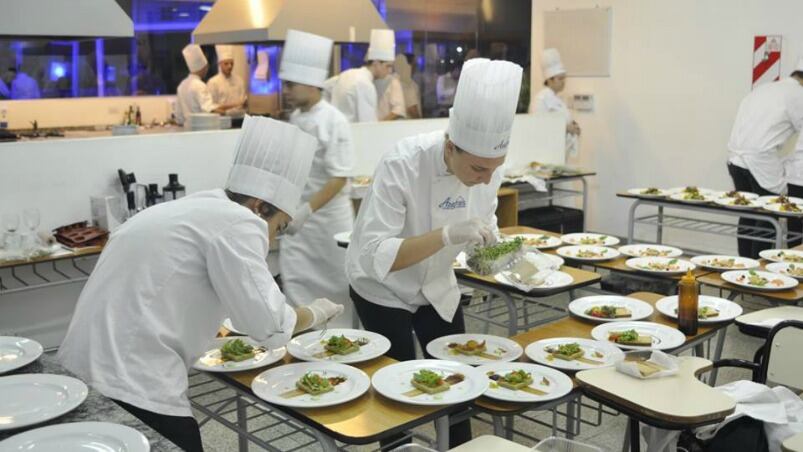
266,209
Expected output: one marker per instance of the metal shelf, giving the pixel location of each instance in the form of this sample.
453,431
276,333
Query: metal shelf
42,273
530,198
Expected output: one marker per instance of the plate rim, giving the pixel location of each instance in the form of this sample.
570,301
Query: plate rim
767,289
141,445
616,253
785,264
583,339
612,237
406,400
343,369
674,331
775,250
667,299
599,320
518,347
38,350
81,393
267,362
674,248
294,341
632,266
543,247
556,374
755,263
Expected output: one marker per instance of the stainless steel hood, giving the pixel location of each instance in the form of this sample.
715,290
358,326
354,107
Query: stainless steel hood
244,21
70,19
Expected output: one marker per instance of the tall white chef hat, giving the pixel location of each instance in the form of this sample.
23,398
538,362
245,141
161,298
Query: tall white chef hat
382,46
224,53
484,106
551,64
272,162
305,58
194,57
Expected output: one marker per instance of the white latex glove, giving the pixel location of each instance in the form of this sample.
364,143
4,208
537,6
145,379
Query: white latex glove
323,310
469,231
301,216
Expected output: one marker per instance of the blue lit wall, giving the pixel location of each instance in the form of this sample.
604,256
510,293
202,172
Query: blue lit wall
272,84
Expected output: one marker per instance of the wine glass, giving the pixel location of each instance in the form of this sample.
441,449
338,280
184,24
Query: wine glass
31,219
11,222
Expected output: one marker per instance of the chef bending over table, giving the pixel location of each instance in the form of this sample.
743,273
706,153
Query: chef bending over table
430,198
170,275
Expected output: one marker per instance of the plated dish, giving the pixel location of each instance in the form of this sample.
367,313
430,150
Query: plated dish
649,192
760,280
234,355
639,335
588,252
79,436
430,382
789,208
660,265
587,238
721,262
343,345
778,255
29,399
645,250
524,382
710,309
539,241
610,308
739,202
779,199
311,385
786,268
737,194
474,349
692,197
573,353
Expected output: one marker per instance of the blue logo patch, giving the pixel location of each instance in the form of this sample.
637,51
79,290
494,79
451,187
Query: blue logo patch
449,204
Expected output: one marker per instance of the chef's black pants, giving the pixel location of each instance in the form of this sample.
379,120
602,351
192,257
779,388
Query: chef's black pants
398,325
794,225
182,431
743,180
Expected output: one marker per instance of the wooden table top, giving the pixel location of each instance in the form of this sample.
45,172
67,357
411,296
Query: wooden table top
578,327
59,255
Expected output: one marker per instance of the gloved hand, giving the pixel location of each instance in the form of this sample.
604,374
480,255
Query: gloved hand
469,231
301,216
323,310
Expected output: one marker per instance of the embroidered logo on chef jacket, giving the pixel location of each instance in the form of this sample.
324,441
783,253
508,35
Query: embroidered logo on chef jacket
449,204
502,145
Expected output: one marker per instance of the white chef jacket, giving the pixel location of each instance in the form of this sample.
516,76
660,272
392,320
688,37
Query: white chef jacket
311,261
165,281
766,118
399,205
445,89
547,101
353,93
412,94
192,96
226,90
391,98
24,87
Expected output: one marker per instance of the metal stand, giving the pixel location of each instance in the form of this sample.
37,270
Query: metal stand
24,276
530,198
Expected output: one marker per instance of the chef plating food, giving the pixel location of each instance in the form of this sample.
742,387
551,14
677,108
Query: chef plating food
171,274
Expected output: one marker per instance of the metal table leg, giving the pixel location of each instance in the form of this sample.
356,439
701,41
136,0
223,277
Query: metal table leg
442,433
242,422
631,220
659,231
585,200
570,416
718,354
635,437
499,428
509,427
327,443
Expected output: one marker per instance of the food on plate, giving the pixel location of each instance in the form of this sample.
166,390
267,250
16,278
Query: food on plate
795,271
705,312
724,263
669,266
754,279
592,240
540,240
515,380
471,347
361,180
586,253
693,196
780,199
789,257
630,337
341,345
609,312
690,189
653,252
740,200
490,259
567,352
651,191
236,350
430,382
315,384
790,207
731,194
544,381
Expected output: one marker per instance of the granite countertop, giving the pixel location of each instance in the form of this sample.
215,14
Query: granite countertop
96,407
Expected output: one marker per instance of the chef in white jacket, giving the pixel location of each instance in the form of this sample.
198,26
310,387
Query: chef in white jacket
353,92
170,275
766,119
431,197
310,260
548,101
226,87
192,94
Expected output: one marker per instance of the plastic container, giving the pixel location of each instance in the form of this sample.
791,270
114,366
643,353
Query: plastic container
555,444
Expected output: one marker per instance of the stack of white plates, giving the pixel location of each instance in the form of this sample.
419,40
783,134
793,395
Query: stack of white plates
203,121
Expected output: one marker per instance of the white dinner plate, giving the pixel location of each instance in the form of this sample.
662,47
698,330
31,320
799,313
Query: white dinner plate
271,384
393,382
343,237
460,261
16,352
639,309
648,250
230,326
739,263
729,202
539,241
640,192
728,310
773,199
744,194
501,348
777,209
642,264
741,278
29,399
663,337
310,346
603,253
703,191
578,238
782,268
559,384
211,361
555,280
779,255
606,353
681,197
78,436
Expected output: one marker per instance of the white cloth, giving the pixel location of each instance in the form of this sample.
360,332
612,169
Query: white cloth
162,286
410,91
551,64
391,98
354,94
481,119
445,89
224,52
24,87
766,118
669,364
412,194
192,96
547,101
272,162
382,46
311,261
194,57
226,90
305,58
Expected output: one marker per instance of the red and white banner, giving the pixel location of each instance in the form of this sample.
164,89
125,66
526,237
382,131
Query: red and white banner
766,59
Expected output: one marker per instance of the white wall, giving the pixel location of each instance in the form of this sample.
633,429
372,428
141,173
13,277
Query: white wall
678,71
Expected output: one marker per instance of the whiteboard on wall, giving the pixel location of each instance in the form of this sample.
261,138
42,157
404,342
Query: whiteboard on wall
583,38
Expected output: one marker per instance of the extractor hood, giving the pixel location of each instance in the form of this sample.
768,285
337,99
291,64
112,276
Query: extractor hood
245,21
64,19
